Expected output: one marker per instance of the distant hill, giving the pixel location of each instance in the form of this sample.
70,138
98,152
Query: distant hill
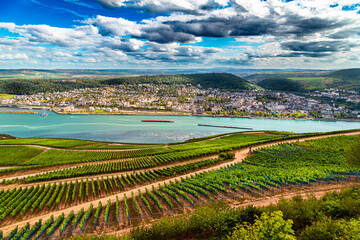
347,79
224,81
21,87
281,84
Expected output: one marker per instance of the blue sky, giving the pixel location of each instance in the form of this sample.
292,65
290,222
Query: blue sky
179,34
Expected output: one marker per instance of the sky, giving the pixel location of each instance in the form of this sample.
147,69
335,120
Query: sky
141,34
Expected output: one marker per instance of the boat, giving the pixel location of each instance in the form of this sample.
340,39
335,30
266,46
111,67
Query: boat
167,121
44,114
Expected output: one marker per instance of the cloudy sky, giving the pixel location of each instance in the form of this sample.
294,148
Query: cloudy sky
180,33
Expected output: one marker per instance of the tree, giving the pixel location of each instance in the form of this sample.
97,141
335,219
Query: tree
353,153
267,227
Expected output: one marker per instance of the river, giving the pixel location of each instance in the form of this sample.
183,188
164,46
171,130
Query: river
130,129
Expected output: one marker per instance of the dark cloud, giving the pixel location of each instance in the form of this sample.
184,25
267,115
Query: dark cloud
165,34
318,46
345,33
304,54
237,26
225,27
300,26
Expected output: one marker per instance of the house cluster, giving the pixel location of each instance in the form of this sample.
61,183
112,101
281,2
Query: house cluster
186,98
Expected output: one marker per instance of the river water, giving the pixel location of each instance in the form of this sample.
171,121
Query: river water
130,129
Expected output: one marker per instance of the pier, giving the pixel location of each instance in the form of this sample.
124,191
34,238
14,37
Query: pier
165,121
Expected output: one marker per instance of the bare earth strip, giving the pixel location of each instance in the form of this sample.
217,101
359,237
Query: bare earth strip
316,191
5,187
239,156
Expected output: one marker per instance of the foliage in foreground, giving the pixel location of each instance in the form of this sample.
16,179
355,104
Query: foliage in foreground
337,212
268,226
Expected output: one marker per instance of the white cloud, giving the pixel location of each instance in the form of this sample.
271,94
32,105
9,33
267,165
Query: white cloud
17,56
273,23
114,26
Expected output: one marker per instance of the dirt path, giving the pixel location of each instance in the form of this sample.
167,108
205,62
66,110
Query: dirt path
5,187
317,191
239,156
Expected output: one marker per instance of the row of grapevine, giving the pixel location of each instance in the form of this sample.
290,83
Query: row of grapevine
112,167
60,157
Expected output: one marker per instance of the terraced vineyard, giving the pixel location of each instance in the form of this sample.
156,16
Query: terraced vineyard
93,202
15,155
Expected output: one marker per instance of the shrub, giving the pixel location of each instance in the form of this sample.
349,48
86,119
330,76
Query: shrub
266,227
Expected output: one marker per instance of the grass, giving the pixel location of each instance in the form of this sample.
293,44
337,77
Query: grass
7,96
13,155
118,146
50,142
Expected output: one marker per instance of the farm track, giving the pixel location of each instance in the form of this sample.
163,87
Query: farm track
305,193
42,170
239,156
46,169
98,175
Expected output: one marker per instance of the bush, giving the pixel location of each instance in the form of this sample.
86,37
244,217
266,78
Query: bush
216,219
266,227
325,228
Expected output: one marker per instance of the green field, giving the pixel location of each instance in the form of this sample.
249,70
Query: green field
180,151
118,146
14,155
50,142
7,96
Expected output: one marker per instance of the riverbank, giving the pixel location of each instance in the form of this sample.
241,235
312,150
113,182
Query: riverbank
171,113
168,113
22,112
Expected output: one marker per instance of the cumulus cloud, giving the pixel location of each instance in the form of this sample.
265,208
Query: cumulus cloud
282,31
17,56
114,26
164,6
235,19
53,35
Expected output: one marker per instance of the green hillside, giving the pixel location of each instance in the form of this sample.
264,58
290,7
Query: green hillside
281,84
347,79
224,81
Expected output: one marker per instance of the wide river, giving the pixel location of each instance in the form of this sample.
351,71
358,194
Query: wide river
130,129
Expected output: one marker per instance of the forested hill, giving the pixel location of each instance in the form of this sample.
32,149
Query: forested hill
21,87
281,84
346,79
222,81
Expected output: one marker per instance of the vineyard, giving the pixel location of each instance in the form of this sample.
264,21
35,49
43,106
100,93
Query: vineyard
58,143
48,197
121,200
14,155
29,156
